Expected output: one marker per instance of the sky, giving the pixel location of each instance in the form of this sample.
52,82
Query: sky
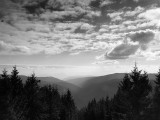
77,38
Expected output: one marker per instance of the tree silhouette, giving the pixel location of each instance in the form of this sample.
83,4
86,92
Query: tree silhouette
132,98
15,95
140,92
51,98
16,83
156,98
4,94
68,108
121,104
33,106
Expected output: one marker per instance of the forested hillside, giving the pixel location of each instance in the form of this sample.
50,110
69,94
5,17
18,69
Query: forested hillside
135,99
30,101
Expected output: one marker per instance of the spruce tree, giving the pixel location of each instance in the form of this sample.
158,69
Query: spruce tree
69,108
4,94
15,95
156,98
126,84
91,110
108,106
51,98
33,106
16,83
121,105
101,109
140,92
132,97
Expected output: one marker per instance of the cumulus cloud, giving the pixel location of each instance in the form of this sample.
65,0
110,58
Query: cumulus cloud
136,11
84,27
115,16
142,36
152,15
133,42
100,45
122,51
106,2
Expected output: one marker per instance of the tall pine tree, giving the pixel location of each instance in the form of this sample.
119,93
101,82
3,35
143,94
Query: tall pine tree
156,98
16,83
4,95
52,100
68,109
15,95
121,104
140,91
132,97
33,106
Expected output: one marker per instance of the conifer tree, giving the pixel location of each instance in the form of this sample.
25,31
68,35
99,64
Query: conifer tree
91,110
15,95
126,84
141,89
69,108
101,109
121,105
33,106
108,106
132,97
156,98
16,83
4,94
51,98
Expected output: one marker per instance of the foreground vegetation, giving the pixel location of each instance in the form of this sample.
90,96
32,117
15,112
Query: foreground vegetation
29,101
135,99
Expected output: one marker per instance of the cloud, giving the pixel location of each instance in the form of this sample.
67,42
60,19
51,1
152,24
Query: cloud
106,62
41,34
102,60
136,0
11,49
115,16
150,54
136,11
68,14
142,36
100,45
122,51
134,41
153,15
83,28
106,3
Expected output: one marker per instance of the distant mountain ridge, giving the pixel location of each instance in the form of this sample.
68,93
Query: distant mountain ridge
100,86
87,88
79,81
60,84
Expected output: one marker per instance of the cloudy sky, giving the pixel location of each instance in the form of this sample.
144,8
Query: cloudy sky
69,38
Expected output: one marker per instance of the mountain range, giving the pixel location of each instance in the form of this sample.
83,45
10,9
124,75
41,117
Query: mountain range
86,88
